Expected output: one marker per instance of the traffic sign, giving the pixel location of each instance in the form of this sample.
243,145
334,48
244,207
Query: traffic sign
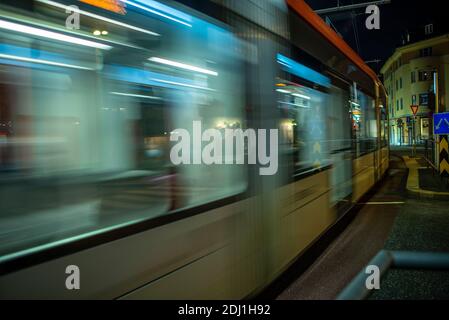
441,123
414,109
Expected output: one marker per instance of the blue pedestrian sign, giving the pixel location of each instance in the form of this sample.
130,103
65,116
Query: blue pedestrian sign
441,123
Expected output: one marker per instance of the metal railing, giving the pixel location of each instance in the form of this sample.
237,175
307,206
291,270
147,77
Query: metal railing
430,148
387,260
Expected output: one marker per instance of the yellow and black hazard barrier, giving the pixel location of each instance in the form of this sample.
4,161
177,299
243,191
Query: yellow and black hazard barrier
444,156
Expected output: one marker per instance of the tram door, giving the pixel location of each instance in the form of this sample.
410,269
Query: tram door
340,148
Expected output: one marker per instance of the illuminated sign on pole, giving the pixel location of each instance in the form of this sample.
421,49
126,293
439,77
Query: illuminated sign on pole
441,123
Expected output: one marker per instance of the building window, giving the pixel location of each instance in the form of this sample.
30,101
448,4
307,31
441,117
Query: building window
426,52
400,83
424,75
413,77
397,105
428,29
414,99
397,85
402,104
424,99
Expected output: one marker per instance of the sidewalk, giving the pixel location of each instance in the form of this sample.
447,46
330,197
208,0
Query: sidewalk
422,182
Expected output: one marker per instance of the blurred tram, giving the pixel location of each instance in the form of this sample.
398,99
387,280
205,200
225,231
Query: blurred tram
89,96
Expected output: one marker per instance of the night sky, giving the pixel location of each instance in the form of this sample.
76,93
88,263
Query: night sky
396,19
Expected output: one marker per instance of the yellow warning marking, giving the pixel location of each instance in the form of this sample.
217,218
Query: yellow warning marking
444,166
444,144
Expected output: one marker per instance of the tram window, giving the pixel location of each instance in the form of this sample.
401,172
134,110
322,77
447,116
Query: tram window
84,129
383,126
364,122
303,126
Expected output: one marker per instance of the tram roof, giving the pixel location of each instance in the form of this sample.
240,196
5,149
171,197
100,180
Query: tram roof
315,21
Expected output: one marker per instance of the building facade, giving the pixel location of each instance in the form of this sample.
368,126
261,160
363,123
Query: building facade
410,75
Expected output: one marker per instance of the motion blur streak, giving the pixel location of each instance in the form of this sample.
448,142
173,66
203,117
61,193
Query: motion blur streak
134,95
96,16
133,3
50,34
183,66
51,63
